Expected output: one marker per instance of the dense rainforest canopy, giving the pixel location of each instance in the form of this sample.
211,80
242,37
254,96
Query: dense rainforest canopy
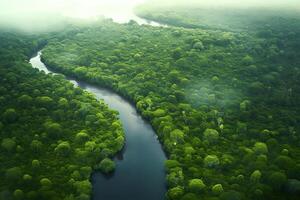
52,134
225,105
224,101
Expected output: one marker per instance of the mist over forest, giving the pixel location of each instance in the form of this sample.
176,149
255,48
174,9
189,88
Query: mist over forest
149,100
48,15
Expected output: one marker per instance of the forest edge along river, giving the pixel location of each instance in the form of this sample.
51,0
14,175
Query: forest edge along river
139,173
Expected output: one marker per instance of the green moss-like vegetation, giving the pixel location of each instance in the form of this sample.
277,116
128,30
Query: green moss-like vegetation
224,104
223,97
51,133
106,165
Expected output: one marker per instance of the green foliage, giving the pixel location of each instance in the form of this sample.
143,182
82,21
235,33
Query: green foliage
196,185
8,144
45,182
177,136
10,115
211,135
82,137
231,195
285,162
293,186
13,174
277,180
27,177
236,76
63,148
36,146
175,177
175,193
215,79
248,60
159,113
43,140
211,161
176,54
106,166
169,164
260,148
244,105
44,101
198,45
53,129
255,176
188,81
190,196
83,187
18,194
35,165
217,189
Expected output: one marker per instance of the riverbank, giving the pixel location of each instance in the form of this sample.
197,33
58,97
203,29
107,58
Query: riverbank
140,173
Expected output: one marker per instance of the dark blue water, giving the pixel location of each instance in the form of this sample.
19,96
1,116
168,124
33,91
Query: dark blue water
140,172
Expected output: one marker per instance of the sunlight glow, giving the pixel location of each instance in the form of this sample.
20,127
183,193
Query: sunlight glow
93,8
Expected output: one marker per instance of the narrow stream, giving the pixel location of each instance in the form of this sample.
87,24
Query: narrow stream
140,172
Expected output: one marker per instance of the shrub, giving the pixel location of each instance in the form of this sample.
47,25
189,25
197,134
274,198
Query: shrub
177,136
106,165
256,87
82,137
211,161
45,182
175,193
13,174
231,195
119,143
36,146
85,172
255,176
190,196
217,189
35,164
27,177
10,115
244,105
215,79
171,164
54,130
83,187
293,186
159,113
198,45
211,135
248,60
260,148
18,194
83,197
284,162
25,100
277,180
175,178
63,148
8,144
196,185
44,101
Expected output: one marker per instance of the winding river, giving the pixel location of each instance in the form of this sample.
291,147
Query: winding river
139,171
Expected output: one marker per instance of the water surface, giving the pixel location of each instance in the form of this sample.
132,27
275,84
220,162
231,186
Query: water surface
139,171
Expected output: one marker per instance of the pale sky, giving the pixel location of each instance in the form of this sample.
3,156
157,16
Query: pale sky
42,14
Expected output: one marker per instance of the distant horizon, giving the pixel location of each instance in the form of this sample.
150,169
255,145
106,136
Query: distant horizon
44,15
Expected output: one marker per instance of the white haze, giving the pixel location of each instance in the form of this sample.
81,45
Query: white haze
284,4
39,15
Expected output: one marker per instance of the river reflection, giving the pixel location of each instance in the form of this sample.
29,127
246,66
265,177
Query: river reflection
139,171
